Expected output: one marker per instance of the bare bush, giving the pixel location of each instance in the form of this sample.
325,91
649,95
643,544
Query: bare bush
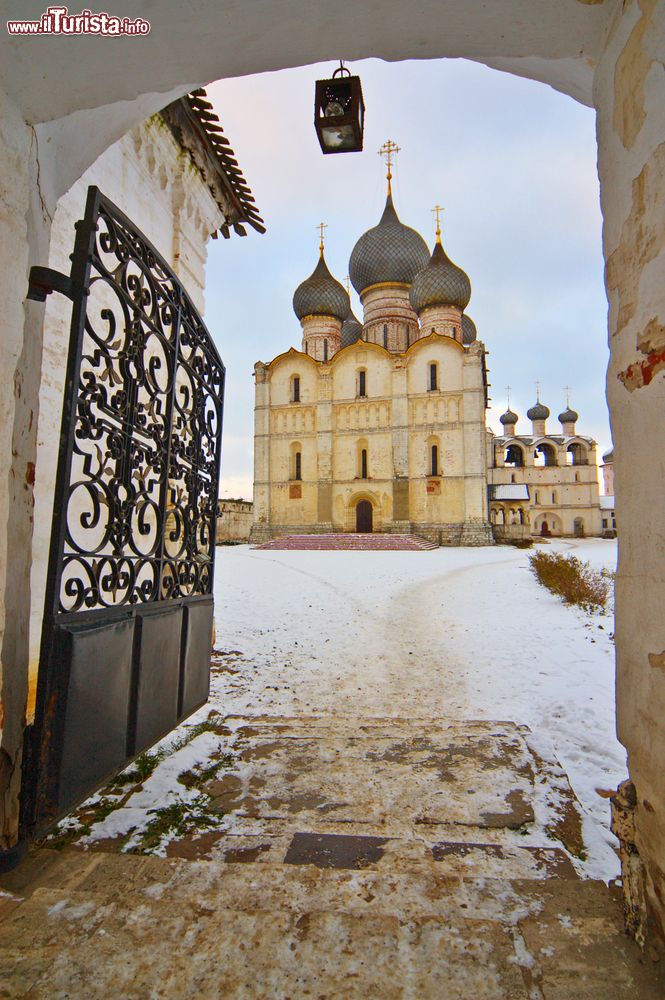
573,580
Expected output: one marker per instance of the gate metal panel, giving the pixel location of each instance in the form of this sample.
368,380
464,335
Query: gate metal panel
126,637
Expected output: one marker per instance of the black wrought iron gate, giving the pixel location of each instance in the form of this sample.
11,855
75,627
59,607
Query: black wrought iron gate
126,640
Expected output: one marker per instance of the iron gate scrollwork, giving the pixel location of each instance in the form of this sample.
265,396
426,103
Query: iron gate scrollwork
126,638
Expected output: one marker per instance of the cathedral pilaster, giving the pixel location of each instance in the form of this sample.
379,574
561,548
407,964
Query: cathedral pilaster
400,444
261,524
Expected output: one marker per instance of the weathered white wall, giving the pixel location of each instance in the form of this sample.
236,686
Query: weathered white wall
234,521
24,234
630,96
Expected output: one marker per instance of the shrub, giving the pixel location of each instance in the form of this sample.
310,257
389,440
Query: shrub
572,580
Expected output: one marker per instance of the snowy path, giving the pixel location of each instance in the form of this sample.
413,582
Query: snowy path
465,634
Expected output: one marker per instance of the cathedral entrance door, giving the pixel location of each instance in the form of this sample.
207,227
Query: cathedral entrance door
364,517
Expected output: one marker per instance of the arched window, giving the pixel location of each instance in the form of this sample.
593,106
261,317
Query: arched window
362,382
385,335
295,461
295,387
544,455
406,334
576,454
433,375
325,349
554,497
535,498
306,348
363,463
434,460
512,477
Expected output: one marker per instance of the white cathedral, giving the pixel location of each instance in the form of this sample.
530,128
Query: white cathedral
380,425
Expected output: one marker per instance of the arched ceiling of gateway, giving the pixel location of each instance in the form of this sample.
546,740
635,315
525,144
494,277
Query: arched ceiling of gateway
194,42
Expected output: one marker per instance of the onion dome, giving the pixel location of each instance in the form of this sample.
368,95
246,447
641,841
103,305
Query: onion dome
538,412
321,295
508,417
469,332
568,416
390,251
440,283
352,330
608,457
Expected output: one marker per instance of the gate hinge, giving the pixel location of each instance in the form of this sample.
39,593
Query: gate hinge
44,280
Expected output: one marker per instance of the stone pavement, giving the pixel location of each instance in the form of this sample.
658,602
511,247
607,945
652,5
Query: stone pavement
354,542
349,858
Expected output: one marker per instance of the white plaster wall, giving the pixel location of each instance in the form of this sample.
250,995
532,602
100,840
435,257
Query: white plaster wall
376,362
630,95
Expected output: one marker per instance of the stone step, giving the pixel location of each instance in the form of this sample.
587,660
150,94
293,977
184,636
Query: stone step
351,542
257,857
323,934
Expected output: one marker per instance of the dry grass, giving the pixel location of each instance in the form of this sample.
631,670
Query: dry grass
573,580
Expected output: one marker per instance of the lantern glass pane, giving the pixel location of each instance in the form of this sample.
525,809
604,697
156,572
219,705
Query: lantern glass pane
339,137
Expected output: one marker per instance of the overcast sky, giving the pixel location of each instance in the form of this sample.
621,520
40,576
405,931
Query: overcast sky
513,162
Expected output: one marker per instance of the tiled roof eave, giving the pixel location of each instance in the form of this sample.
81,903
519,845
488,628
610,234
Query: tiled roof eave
196,128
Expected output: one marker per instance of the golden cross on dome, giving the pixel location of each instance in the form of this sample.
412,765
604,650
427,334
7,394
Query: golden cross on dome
389,150
537,391
508,388
321,226
437,211
566,389
347,282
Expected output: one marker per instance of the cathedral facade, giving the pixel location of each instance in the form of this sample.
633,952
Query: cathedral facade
380,425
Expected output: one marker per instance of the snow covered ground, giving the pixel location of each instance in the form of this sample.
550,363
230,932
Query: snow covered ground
461,633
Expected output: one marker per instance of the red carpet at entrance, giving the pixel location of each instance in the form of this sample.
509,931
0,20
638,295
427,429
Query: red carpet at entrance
354,542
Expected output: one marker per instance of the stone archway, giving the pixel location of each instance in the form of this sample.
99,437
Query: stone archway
604,54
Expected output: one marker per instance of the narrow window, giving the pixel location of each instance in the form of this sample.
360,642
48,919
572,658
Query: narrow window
306,348
363,464
325,350
432,376
435,460
406,331
536,497
512,477
296,388
554,497
385,335
362,383
298,465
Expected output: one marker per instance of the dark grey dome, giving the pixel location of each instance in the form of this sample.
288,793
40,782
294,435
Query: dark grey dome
568,416
352,330
390,251
469,332
508,417
538,412
441,283
609,456
321,295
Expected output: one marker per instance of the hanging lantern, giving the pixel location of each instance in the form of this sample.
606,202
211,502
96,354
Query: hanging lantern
339,112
